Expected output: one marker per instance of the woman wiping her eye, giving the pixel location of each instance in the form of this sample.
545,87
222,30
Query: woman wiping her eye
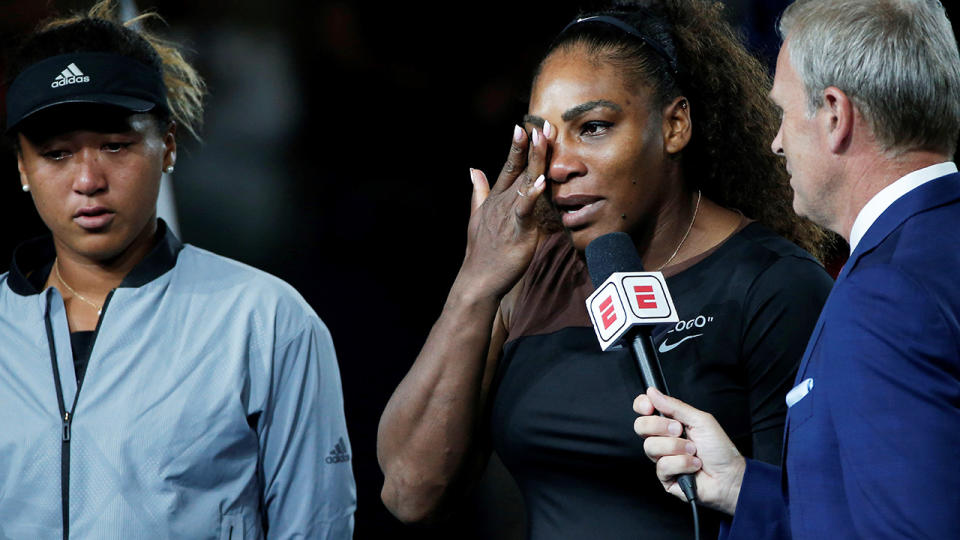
647,118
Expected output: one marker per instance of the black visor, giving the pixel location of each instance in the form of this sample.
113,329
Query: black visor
85,77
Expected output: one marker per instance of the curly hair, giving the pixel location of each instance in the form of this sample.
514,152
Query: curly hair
101,30
728,156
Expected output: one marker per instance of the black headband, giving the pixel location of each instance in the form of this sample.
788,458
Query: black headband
613,21
85,77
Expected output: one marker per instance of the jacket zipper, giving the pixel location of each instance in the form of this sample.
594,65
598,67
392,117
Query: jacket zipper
65,415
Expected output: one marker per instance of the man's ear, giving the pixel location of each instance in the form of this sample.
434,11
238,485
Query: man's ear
839,115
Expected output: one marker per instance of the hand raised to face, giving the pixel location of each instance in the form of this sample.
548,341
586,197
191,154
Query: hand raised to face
503,231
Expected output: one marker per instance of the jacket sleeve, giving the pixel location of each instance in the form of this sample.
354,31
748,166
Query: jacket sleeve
897,411
761,510
305,454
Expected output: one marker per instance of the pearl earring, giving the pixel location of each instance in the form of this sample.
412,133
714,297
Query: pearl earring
25,188
169,169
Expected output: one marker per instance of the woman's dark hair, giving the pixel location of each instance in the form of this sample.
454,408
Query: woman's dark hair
728,156
100,30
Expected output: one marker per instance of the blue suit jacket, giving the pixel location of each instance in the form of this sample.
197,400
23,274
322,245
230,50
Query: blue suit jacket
871,451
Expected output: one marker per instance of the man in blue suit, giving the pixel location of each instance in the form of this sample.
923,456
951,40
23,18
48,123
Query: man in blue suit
870,96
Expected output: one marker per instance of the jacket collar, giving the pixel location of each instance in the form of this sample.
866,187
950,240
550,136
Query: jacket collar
37,255
937,192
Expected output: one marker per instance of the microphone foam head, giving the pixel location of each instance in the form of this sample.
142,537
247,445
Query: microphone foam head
612,252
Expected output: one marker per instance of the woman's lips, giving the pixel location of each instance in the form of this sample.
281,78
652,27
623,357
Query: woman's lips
578,210
93,217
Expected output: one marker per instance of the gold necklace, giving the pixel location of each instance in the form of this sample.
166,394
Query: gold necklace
56,268
682,240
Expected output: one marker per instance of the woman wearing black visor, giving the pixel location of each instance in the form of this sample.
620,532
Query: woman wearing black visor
149,389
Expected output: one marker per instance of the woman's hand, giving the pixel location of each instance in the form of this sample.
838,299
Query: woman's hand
432,443
503,233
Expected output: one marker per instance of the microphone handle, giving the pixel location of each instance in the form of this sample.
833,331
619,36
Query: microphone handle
651,375
647,360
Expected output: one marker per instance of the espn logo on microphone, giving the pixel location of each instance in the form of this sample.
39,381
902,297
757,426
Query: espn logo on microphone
627,299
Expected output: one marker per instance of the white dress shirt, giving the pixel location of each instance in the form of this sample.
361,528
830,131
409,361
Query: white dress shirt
888,195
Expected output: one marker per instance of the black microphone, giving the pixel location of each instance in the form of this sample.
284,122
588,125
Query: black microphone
615,265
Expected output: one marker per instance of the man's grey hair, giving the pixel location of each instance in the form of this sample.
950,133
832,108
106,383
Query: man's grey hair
896,59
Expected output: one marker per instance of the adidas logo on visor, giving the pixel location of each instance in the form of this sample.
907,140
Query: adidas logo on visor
70,75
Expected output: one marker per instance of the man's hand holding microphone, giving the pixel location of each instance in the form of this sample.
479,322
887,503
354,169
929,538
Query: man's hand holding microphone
707,452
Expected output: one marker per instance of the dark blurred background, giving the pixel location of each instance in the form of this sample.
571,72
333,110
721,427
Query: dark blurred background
335,155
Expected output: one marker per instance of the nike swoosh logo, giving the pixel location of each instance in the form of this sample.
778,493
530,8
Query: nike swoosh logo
664,347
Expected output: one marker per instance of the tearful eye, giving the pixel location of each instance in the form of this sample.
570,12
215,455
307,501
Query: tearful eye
595,128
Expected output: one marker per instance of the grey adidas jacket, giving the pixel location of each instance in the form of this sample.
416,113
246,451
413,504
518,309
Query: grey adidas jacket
211,408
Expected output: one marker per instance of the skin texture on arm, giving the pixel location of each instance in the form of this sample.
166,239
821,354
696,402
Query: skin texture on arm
428,438
429,442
